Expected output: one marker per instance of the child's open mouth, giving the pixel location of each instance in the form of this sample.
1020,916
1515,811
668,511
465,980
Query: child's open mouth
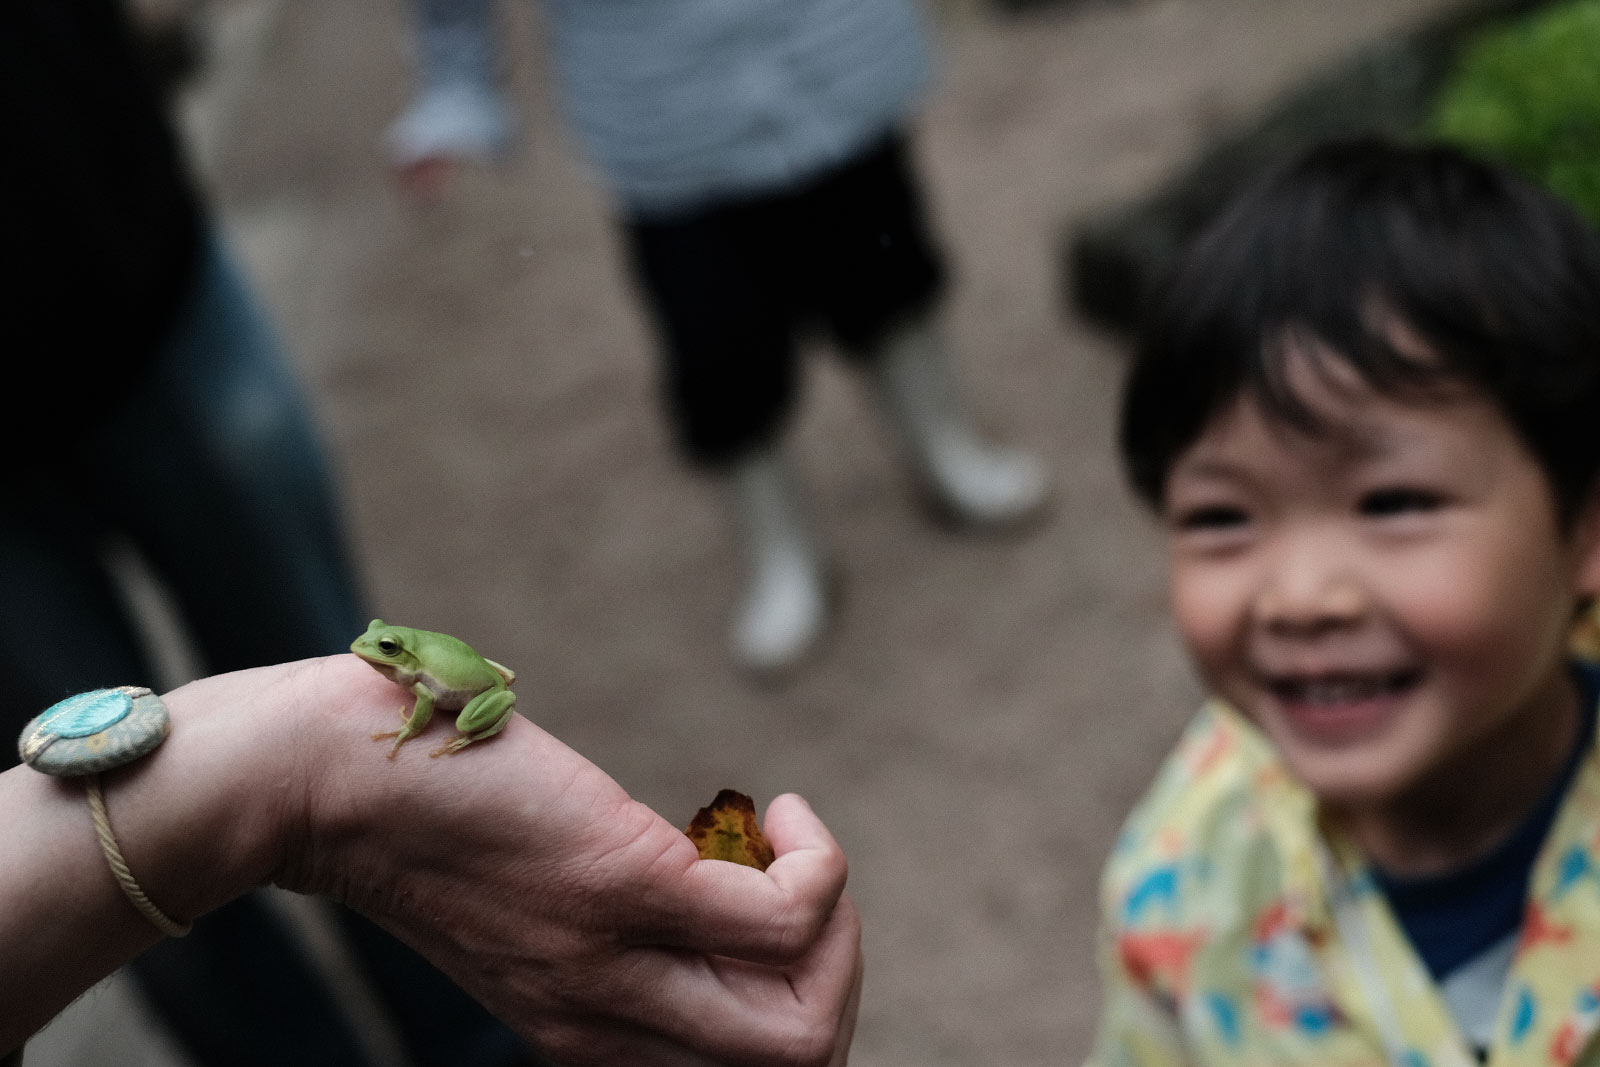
1341,706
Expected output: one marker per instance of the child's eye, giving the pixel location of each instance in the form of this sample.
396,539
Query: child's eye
1382,503
1211,517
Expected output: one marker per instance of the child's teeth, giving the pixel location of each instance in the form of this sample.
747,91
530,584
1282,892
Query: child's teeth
1337,692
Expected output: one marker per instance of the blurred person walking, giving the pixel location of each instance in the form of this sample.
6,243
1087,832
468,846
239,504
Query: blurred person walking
759,155
155,408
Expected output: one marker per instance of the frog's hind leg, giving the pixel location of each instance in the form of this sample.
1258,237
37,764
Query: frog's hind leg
484,717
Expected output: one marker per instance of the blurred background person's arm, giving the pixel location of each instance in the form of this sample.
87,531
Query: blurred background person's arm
458,112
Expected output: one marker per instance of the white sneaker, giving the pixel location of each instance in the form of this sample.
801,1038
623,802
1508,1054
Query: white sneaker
977,482
986,485
785,606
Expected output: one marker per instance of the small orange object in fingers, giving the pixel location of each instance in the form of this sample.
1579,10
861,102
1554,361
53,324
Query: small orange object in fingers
728,830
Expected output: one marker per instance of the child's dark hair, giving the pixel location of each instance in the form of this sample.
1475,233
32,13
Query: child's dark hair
1498,278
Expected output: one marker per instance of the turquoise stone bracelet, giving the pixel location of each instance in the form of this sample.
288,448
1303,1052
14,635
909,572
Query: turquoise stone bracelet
95,731
92,732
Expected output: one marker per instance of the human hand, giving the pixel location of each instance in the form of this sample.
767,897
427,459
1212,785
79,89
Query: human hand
574,913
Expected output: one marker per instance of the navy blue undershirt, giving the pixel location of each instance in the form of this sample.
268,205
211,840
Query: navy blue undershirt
1453,918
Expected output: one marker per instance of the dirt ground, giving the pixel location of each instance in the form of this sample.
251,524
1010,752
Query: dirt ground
986,709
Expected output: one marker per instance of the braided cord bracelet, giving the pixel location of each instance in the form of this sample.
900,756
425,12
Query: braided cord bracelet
91,732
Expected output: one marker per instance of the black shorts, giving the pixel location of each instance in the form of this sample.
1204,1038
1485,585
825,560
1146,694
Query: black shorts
732,287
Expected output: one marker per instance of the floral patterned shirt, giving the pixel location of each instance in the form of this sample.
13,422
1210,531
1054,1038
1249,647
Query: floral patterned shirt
1236,931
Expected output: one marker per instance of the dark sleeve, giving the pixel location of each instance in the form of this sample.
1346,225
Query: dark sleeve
105,223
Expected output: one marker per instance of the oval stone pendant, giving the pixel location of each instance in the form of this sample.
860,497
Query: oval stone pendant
95,731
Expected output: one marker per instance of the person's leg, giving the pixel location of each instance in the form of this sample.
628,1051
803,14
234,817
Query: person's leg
730,382
238,992
880,281
439,1025
228,493
229,496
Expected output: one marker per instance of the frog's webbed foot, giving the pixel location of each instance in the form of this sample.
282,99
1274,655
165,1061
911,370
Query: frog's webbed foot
453,747
463,740
403,734
400,736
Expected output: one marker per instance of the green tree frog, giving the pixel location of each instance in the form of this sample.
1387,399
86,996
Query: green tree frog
443,672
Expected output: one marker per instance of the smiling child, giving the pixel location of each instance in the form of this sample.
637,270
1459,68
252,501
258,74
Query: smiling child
1367,413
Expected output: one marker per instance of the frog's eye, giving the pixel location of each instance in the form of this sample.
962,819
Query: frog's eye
388,646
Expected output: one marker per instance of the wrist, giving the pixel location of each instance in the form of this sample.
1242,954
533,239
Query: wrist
346,793
209,814
200,820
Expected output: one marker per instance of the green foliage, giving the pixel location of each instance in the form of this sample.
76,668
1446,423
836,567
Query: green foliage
1527,94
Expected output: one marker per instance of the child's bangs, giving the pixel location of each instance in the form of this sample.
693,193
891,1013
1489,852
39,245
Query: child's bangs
1272,299
1419,270
1382,353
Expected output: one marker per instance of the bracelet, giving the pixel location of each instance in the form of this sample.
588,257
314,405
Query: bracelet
92,732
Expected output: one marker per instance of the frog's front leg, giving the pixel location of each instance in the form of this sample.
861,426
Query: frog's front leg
484,716
421,715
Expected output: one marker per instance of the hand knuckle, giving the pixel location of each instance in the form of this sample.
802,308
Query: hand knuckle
794,929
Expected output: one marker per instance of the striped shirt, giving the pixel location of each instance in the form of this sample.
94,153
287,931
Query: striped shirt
681,103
